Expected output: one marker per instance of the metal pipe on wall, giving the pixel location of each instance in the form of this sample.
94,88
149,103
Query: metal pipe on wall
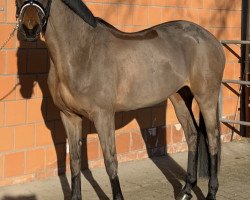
247,70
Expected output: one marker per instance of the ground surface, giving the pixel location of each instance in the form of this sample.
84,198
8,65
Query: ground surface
158,178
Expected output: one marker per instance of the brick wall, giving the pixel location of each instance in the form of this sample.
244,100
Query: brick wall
32,138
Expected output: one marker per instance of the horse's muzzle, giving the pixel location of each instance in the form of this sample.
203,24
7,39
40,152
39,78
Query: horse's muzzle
30,35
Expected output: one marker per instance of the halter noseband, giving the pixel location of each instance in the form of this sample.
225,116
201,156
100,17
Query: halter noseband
35,3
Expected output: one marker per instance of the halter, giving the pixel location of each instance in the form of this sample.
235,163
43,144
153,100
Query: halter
34,3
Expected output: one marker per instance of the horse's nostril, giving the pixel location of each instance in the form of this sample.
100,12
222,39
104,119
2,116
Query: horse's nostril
30,32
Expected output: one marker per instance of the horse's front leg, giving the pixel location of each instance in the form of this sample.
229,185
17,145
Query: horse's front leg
73,127
104,123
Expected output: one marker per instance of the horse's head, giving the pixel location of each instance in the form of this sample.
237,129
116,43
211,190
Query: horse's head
32,16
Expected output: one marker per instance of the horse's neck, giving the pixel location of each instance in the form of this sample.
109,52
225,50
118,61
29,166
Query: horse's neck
66,33
65,28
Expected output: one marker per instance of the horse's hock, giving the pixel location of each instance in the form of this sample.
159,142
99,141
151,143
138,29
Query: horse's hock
33,144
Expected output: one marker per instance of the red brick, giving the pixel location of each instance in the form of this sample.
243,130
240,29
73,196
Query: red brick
42,86
110,13
2,17
96,9
11,11
38,60
35,110
24,136
154,15
35,161
205,18
187,14
59,135
229,71
2,61
2,3
27,87
43,134
142,154
1,166
140,15
137,141
51,157
234,5
214,4
15,112
16,62
231,18
118,122
125,14
168,14
171,116
6,139
8,84
6,29
1,113
177,134
127,157
56,156
197,3
217,19
14,164
144,118
158,2
93,150
53,112
158,116
184,3
123,143
169,138
229,106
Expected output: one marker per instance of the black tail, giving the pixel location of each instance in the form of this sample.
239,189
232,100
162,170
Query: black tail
203,152
203,155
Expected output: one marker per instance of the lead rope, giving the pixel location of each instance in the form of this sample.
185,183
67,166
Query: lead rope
12,34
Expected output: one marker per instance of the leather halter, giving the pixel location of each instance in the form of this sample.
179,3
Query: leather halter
44,11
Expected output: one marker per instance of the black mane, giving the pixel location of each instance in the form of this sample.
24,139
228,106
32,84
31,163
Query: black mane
82,11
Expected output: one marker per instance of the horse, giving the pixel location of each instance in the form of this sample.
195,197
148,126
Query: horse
97,70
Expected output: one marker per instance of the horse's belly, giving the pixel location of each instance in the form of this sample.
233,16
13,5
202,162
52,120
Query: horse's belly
149,93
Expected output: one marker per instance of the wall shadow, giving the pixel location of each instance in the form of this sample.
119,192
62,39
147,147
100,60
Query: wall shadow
28,197
155,139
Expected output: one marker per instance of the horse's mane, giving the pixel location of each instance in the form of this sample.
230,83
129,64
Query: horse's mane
82,11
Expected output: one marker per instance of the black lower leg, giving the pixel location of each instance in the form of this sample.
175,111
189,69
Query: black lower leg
76,187
213,184
116,189
191,178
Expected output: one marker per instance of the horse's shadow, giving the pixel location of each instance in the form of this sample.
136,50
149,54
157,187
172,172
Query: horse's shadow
33,66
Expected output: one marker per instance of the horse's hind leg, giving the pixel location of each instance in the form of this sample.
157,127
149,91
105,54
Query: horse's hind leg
208,107
182,102
104,123
73,127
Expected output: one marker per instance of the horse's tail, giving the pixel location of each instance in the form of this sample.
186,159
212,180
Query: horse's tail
203,151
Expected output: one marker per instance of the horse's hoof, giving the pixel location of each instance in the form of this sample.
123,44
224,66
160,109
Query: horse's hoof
210,197
76,197
118,197
184,196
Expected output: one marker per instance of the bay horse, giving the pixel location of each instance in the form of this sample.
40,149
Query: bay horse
97,70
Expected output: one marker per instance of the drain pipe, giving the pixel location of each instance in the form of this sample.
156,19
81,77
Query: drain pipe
247,70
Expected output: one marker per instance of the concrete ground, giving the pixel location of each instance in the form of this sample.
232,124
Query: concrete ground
158,178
